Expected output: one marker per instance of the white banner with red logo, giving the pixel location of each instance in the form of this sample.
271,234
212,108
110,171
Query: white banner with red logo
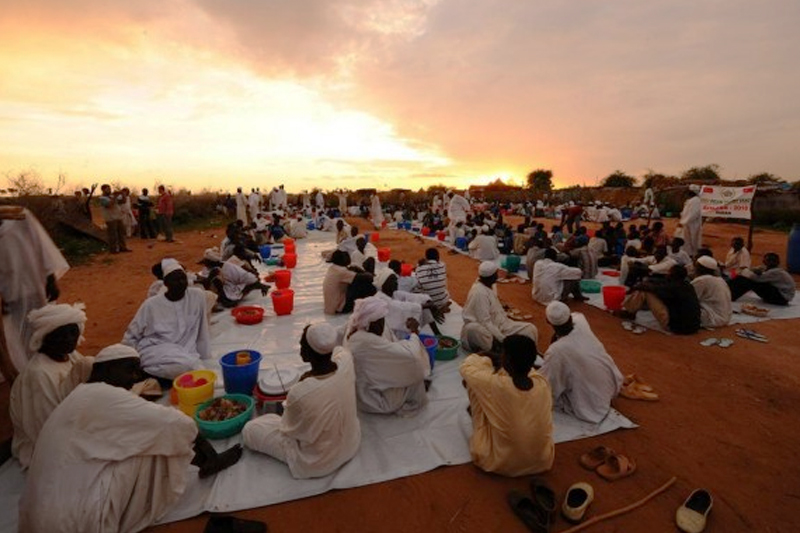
727,202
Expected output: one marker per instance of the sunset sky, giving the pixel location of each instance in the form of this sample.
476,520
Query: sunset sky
395,93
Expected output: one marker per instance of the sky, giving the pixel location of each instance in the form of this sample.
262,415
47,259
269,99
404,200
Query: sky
215,94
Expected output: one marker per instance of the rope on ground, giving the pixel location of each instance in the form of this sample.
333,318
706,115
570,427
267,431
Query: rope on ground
623,510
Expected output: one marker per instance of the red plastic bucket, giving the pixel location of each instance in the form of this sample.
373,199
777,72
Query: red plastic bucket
287,240
283,301
375,237
283,278
441,235
289,248
406,269
290,260
426,231
613,296
384,254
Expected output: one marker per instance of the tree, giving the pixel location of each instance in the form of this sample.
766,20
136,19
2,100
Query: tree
707,174
619,179
540,180
25,183
656,179
765,178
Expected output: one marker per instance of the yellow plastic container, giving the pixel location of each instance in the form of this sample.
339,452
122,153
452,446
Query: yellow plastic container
189,398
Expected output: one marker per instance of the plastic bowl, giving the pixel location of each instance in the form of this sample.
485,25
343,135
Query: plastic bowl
188,398
248,314
591,286
610,273
447,354
225,428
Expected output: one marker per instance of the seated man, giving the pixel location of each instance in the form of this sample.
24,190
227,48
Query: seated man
738,257
511,409
108,460
51,374
555,281
344,284
484,246
581,374
390,373
535,252
770,282
432,279
712,293
672,300
365,255
485,321
679,256
319,430
236,279
404,305
404,283
170,330
298,229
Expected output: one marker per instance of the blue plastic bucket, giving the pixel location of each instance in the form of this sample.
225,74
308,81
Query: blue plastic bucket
430,347
311,226
265,251
461,243
240,379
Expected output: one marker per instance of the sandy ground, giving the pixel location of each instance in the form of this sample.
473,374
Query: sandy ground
726,420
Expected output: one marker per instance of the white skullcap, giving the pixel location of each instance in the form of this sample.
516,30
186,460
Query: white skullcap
212,254
115,352
51,317
708,262
367,311
169,265
487,268
322,337
694,187
485,228
382,276
557,313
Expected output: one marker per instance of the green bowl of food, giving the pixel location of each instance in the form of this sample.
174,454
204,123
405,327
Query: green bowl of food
225,416
591,286
447,349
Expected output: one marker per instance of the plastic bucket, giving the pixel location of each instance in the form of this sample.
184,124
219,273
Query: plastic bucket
290,260
441,235
613,296
287,240
426,231
406,269
431,344
310,226
512,263
374,237
461,243
283,278
283,301
384,254
240,379
290,248
265,251
190,397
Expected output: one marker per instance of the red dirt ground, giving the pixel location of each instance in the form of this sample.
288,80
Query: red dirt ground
726,420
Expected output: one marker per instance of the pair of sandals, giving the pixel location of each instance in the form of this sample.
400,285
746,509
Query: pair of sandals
633,327
722,343
751,335
634,388
608,464
538,512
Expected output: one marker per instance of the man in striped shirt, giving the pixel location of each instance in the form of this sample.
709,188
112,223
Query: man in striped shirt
432,278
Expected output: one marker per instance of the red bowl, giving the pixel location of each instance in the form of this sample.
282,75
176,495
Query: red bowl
248,314
612,273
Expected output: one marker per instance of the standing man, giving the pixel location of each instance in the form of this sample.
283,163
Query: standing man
112,214
690,226
375,211
320,199
342,203
241,206
254,202
166,208
145,204
457,211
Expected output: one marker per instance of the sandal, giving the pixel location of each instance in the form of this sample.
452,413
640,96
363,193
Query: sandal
725,343
711,341
531,515
633,378
596,457
635,391
616,467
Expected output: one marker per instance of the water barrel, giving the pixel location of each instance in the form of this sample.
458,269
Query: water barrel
793,250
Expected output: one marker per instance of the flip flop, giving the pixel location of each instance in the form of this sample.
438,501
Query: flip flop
752,335
595,457
635,392
633,378
616,467
638,330
627,325
711,341
725,343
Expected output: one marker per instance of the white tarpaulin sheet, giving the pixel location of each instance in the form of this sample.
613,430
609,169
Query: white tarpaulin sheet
727,202
391,447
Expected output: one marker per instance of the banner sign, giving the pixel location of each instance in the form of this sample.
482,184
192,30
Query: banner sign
727,202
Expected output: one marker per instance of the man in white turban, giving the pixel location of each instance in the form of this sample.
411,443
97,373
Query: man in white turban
170,330
390,373
52,373
485,321
690,226
484,246
108,460
404,305
713,293
583,377
319,430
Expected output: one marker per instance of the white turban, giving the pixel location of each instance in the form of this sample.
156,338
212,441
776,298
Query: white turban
485,228
322,337
557,313
694,187
51,317
487,268
114,352
708,262
170,265
212,254
367,311
382,276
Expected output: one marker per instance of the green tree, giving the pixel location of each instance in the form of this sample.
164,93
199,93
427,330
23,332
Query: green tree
656,179
619,179
540,180
765,178
707,174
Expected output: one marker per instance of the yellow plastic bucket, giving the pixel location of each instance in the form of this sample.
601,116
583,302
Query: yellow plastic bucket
190,397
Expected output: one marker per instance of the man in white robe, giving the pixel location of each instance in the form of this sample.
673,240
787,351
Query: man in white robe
342,195
30,265
555,281
319,430
402,305
298,229
241,206
713,293
254,203
484,246
375,211
457,211
52,373
320,200
390,373
486,323
170,331
582,376
108,460
690,226
738,257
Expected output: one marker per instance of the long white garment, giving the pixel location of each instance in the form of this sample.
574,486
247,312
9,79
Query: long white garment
402,306
738,260
342,203
27,257
319,430
128,220
306,201
241,207
235,279
320,200
375,211
692,222
486,320
484,248
582,375
254,203
37,391
171,337
548,279
715,300
458,208
298,229
283,198
390,374
106,461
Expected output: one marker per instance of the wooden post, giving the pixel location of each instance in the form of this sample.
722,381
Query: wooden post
750,232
